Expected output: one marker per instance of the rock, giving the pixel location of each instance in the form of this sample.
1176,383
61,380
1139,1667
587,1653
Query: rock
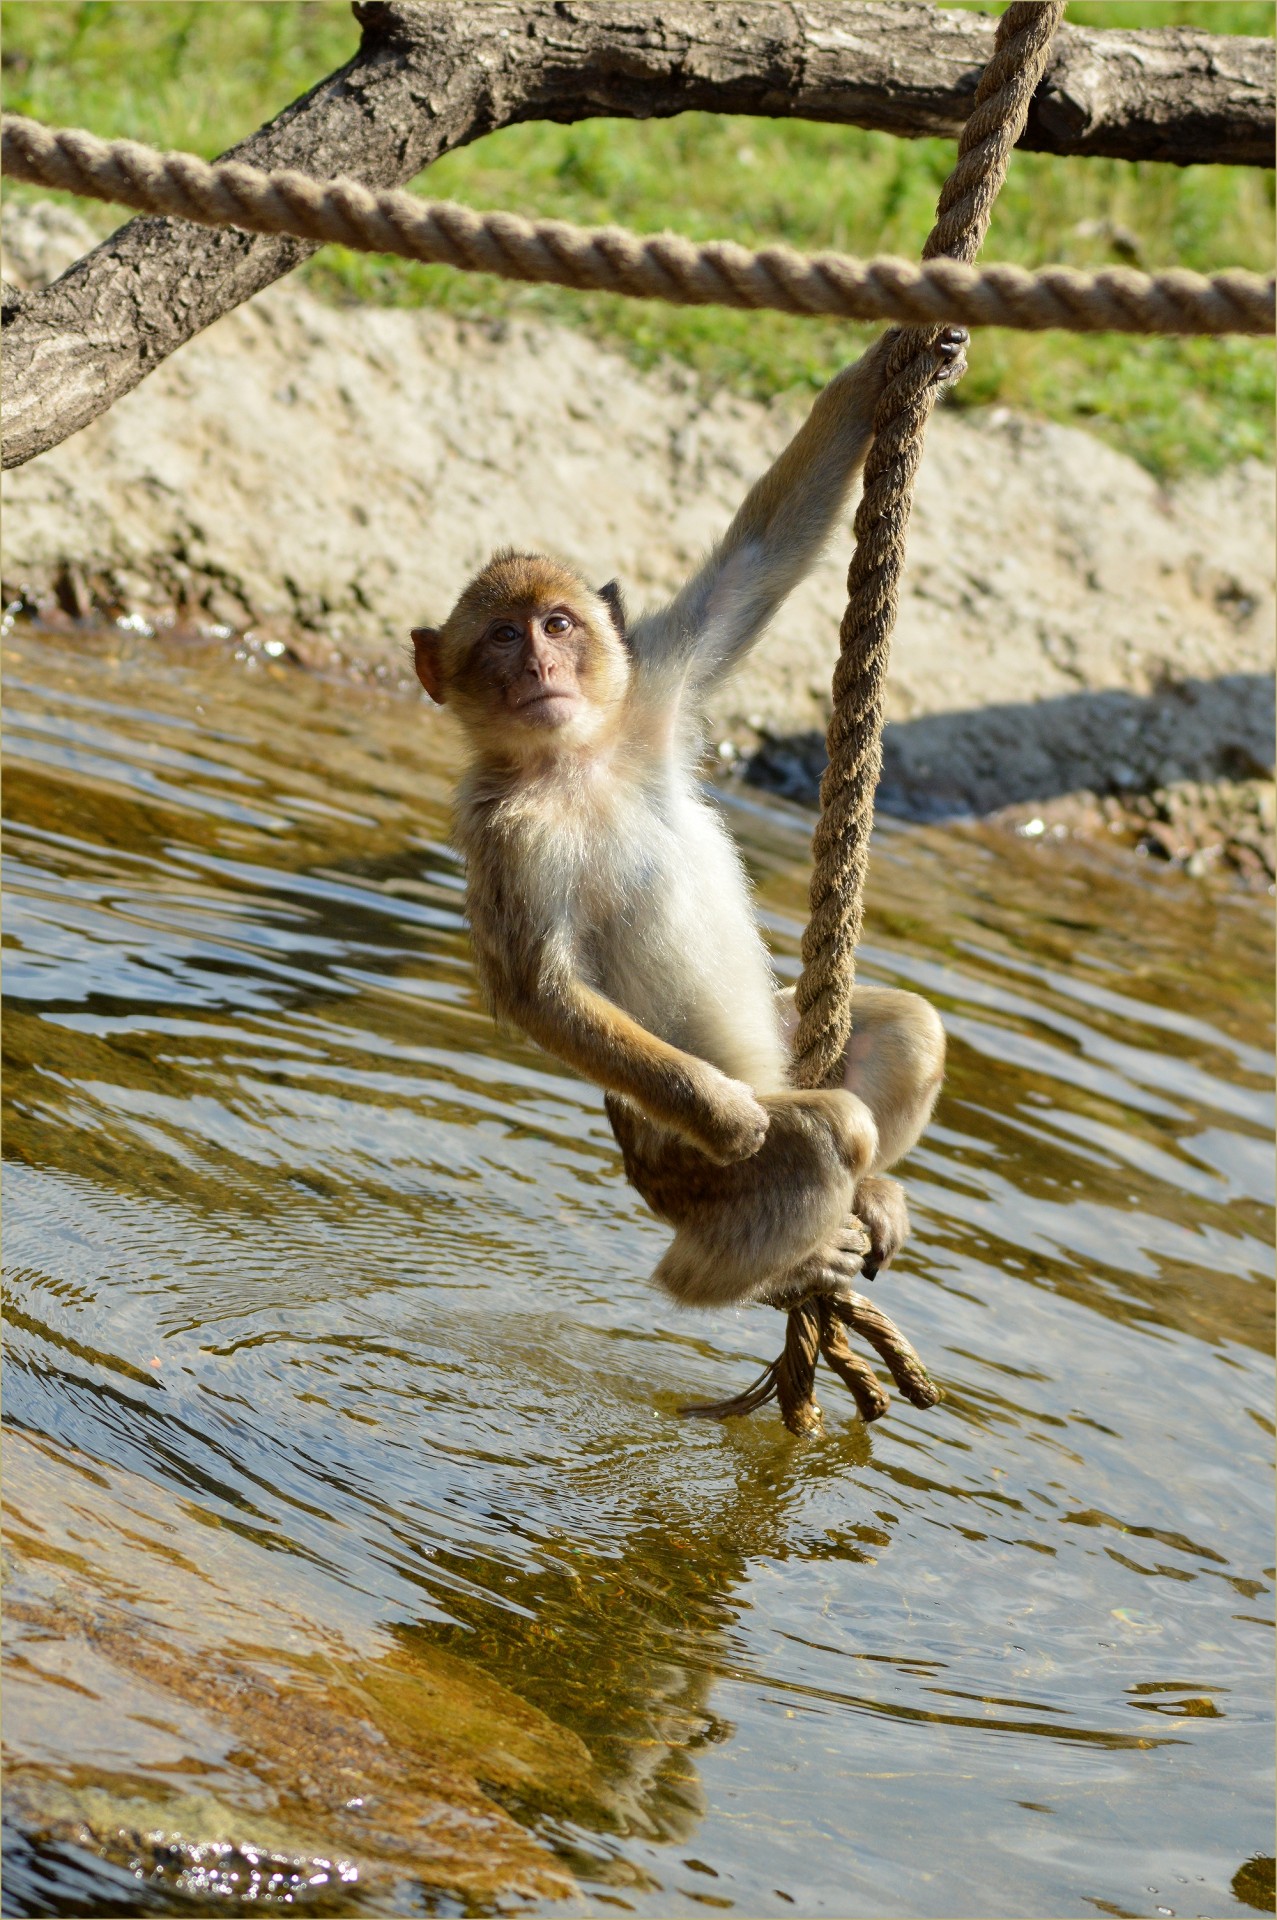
1225,826
367,1777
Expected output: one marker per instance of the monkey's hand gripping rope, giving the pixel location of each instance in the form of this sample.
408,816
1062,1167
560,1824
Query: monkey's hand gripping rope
818,1298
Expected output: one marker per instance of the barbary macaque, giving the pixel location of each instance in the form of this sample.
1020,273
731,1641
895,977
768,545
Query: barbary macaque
610,913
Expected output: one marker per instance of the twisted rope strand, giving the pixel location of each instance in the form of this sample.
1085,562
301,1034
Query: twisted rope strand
748,1400
651,267
840,845
870,1396
796,1368
882,1333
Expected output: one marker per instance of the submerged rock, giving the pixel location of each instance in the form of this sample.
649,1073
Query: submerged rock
347,1779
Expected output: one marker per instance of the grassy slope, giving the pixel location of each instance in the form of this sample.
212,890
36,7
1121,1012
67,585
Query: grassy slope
200,76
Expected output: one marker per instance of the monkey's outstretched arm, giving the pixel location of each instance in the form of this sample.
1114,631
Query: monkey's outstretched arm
781,528
676,1089
777,534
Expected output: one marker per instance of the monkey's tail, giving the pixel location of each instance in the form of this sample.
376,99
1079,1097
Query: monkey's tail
753,1397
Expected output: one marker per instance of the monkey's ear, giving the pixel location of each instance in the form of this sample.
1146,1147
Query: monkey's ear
427,644
612,596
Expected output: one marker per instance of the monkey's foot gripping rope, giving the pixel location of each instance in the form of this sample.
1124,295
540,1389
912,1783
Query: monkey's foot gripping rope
659,266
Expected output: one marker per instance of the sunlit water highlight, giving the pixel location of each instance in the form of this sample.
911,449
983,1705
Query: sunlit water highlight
355,1543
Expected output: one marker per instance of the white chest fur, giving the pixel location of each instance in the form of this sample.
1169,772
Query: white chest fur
644,881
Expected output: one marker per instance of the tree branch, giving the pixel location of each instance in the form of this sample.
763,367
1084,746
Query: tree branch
432,77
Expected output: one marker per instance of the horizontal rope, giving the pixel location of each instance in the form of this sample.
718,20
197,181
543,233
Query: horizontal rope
613,260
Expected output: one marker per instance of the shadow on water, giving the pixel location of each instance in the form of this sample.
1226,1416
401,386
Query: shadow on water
357,1557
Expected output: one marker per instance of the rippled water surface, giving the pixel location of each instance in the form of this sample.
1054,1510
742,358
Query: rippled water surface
357,1552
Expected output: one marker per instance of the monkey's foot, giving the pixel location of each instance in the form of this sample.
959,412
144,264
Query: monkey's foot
881,1211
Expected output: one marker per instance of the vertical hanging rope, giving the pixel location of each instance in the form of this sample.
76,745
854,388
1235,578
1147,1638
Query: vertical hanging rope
841,843
840,846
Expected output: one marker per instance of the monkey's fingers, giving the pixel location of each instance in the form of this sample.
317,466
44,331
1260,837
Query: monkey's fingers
952,347
834,1272
825,1275
753,1397
870,1396
853,1256
873,1325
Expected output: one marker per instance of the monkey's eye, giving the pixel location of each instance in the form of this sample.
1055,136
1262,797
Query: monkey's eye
557,623
506,634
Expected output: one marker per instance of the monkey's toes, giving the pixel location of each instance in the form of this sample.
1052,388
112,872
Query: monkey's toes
853,1241
881,1210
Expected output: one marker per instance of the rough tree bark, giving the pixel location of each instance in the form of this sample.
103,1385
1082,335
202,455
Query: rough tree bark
432,77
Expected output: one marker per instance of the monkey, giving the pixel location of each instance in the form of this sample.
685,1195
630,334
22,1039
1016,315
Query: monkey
610,914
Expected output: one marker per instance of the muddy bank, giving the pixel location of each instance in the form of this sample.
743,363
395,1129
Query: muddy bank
1075,642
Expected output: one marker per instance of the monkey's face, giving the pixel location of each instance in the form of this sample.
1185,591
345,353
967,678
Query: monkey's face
540,666
533,665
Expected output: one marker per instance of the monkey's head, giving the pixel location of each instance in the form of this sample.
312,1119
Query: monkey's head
530,658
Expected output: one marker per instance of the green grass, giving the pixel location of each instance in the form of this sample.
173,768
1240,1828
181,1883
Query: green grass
201,76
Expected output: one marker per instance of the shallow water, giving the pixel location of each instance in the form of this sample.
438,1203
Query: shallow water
357,1553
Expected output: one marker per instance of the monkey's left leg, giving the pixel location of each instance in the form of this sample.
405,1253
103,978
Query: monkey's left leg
895,1063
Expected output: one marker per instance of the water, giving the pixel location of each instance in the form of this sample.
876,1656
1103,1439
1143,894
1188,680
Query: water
358,1557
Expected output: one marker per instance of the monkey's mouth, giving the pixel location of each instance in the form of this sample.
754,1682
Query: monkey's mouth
552,702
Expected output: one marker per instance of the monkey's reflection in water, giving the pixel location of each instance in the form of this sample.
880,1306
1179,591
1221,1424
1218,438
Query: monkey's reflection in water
624,1647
